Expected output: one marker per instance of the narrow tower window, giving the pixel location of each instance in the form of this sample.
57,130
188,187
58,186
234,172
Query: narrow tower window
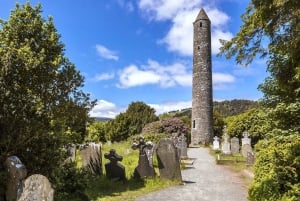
194,124
200,24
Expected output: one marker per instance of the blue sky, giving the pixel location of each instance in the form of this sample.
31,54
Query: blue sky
141,50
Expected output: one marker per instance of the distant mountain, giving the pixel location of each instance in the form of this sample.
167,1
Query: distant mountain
225,108
102,119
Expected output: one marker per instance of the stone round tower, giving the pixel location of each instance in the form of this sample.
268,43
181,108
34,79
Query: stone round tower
202,104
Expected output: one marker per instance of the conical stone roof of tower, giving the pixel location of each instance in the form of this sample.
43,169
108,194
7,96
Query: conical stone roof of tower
202,15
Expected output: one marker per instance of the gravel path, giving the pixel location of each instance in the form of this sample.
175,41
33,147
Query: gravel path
205,181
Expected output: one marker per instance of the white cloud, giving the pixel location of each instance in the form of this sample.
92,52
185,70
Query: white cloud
105,109
110,110
103,76
182,14
131,76
222,81
154,73
165,76
105,53
222,78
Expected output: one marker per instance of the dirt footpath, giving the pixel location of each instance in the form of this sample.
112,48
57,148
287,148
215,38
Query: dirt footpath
204,181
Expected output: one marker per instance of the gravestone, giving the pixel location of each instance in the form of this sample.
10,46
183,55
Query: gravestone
182,145
246,148
246,139
71,152
226,145
37,188
92,158
114,170
250,158
216,143
179,140
168,160
16,172
144,169
235,145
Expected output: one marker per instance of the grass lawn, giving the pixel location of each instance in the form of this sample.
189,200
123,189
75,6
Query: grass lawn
101,188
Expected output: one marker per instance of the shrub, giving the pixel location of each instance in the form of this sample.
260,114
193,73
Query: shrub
277,169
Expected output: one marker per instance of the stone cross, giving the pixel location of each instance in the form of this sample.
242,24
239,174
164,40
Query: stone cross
114,170
144,168
16,173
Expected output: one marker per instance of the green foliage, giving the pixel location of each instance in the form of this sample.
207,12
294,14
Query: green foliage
69,183
219,123
254,121
131,122
153,137
42,105
277,169
271,29
101,188
96,132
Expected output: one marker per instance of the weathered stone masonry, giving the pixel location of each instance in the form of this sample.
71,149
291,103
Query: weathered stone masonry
202,106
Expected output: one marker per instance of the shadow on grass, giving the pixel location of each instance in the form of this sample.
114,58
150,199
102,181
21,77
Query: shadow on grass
100,186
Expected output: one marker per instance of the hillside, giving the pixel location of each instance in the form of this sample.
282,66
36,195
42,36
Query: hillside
225,108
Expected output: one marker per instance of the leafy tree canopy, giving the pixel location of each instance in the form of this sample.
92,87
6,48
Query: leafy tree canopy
42,104
271,30
131,122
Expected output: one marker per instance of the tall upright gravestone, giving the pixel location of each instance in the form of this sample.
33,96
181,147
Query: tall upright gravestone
168,160
202,101
92,158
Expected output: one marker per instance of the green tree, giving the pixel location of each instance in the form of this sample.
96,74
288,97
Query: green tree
255,121
96,132
271,30
42,104
219,123
131,122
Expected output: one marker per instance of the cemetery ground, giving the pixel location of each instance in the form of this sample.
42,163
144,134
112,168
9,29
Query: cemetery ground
104,189
101,188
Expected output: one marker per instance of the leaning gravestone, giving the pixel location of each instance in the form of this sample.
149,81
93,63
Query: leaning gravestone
16,173
168,160
216,143
114,170
235,145
37,188
144,168
92,158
